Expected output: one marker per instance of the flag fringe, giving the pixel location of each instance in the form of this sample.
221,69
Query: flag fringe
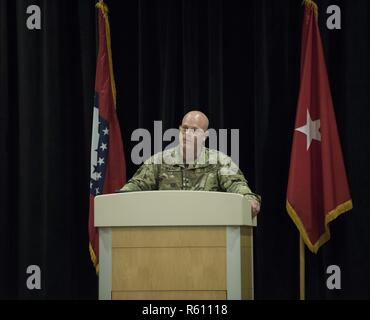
333,214
104,9
312,5
94,258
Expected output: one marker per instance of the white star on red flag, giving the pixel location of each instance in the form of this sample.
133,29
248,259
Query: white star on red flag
311,130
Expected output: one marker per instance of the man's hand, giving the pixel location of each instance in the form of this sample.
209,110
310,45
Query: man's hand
255,206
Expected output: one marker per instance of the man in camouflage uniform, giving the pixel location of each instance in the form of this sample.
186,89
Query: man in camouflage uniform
191,166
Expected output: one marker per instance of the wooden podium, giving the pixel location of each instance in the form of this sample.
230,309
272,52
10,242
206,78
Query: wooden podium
182,245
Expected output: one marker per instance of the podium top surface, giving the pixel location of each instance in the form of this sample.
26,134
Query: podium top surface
172,208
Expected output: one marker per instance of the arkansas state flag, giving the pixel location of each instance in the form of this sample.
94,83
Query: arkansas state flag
108,171
317,189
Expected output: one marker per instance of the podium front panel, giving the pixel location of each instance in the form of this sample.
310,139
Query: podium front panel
177,263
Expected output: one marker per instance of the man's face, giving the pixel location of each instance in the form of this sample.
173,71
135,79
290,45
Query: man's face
191,139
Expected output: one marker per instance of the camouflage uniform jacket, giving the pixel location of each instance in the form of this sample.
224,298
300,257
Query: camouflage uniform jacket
213,171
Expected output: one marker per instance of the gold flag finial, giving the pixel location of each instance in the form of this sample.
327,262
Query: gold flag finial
102,6
311,4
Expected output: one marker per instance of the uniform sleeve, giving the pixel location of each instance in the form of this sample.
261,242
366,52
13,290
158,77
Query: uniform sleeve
232,180
143,180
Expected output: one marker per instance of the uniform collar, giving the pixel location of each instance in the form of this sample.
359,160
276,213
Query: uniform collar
201,161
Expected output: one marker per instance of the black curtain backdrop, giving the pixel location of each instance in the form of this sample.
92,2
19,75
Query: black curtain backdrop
238,61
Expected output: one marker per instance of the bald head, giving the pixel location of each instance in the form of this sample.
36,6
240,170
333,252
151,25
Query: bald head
196,120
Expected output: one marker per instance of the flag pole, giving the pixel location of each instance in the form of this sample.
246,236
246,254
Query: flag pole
301,269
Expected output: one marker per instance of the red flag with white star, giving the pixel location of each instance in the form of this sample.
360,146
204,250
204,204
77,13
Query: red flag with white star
108,172
317,189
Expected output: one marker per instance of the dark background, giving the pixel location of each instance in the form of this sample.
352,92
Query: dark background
238,61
